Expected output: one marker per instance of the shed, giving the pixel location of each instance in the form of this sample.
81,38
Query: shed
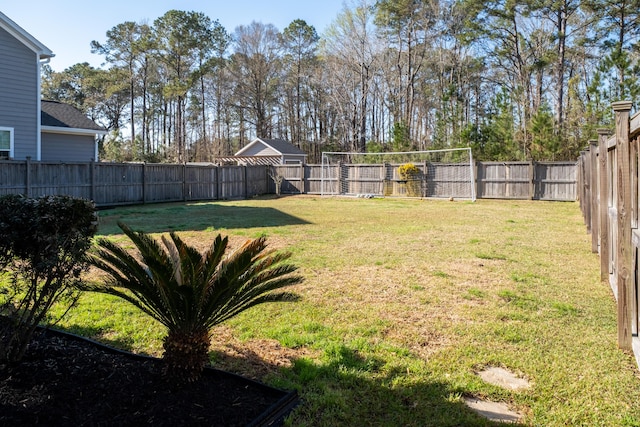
270,151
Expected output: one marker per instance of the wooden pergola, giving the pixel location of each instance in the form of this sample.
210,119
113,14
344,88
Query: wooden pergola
248,160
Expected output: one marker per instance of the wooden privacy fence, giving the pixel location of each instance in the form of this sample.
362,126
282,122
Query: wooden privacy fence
609,184
498,180
372,179
111,184
527,180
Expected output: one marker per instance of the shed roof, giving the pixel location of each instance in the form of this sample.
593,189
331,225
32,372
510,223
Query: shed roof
279,145
24,37
59,115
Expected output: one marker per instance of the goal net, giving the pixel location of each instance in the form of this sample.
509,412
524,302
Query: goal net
435,173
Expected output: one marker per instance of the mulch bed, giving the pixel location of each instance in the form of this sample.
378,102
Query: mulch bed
68,381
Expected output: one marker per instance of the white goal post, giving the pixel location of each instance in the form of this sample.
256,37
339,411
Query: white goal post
447,173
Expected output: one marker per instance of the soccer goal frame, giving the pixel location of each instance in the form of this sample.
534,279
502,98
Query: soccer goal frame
446,173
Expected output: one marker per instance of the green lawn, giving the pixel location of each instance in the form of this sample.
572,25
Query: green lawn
403,302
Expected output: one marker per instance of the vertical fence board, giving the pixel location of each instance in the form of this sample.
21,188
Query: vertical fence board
200,182
293,182
313,176
118,184
603,205
593,166
231,182
258,181
626,274
527,180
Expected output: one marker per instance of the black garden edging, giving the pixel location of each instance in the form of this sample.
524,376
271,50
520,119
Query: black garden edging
31,394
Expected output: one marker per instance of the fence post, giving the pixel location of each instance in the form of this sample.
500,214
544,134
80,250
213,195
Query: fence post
27,178
216,181
92,179
507,177
626,275
633,175
425,179
586,188
144,183
184,182
593,166
303,183
244,178
532,180
604,204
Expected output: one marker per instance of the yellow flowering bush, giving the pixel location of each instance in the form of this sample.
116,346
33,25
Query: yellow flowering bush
411,173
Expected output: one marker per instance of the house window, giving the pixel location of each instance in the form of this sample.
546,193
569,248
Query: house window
6,143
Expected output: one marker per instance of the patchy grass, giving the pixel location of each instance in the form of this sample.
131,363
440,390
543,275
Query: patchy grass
403,302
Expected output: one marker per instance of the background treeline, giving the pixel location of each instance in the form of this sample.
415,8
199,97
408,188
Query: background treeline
515,80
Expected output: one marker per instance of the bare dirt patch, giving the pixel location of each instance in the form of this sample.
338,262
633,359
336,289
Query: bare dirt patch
253,358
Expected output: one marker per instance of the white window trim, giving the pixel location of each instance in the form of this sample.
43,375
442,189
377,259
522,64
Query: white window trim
3,128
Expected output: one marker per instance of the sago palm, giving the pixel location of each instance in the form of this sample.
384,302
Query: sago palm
190,292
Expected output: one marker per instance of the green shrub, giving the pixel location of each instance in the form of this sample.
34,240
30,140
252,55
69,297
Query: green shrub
42,250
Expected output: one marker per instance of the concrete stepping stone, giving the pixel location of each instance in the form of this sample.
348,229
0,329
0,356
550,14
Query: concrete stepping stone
498,411
493,411
503,378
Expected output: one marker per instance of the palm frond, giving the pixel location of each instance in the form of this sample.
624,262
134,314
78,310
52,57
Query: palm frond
188,291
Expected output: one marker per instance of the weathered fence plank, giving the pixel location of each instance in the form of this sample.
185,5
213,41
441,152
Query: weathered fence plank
593,166
626,274
504,180
554,181
119,184
293,175
603,205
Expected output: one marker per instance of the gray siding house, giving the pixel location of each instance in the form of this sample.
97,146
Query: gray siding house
22,130
279,150
67,134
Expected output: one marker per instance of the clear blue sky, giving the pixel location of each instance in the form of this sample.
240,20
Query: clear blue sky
67,27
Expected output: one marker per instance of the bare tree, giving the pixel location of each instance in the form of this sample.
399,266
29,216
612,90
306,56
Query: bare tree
300,44
350,50
126,47
408,28
256,69
181,39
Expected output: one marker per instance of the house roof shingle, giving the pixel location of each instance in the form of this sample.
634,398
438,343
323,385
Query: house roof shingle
58,114
283,146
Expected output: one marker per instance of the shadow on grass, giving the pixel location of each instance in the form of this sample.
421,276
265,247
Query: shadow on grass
168,217
350,389
97,334
343,390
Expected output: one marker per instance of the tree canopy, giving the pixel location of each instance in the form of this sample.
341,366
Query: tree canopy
514,79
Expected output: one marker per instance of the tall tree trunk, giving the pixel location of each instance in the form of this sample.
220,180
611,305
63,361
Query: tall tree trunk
133,107
562,37
203,116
